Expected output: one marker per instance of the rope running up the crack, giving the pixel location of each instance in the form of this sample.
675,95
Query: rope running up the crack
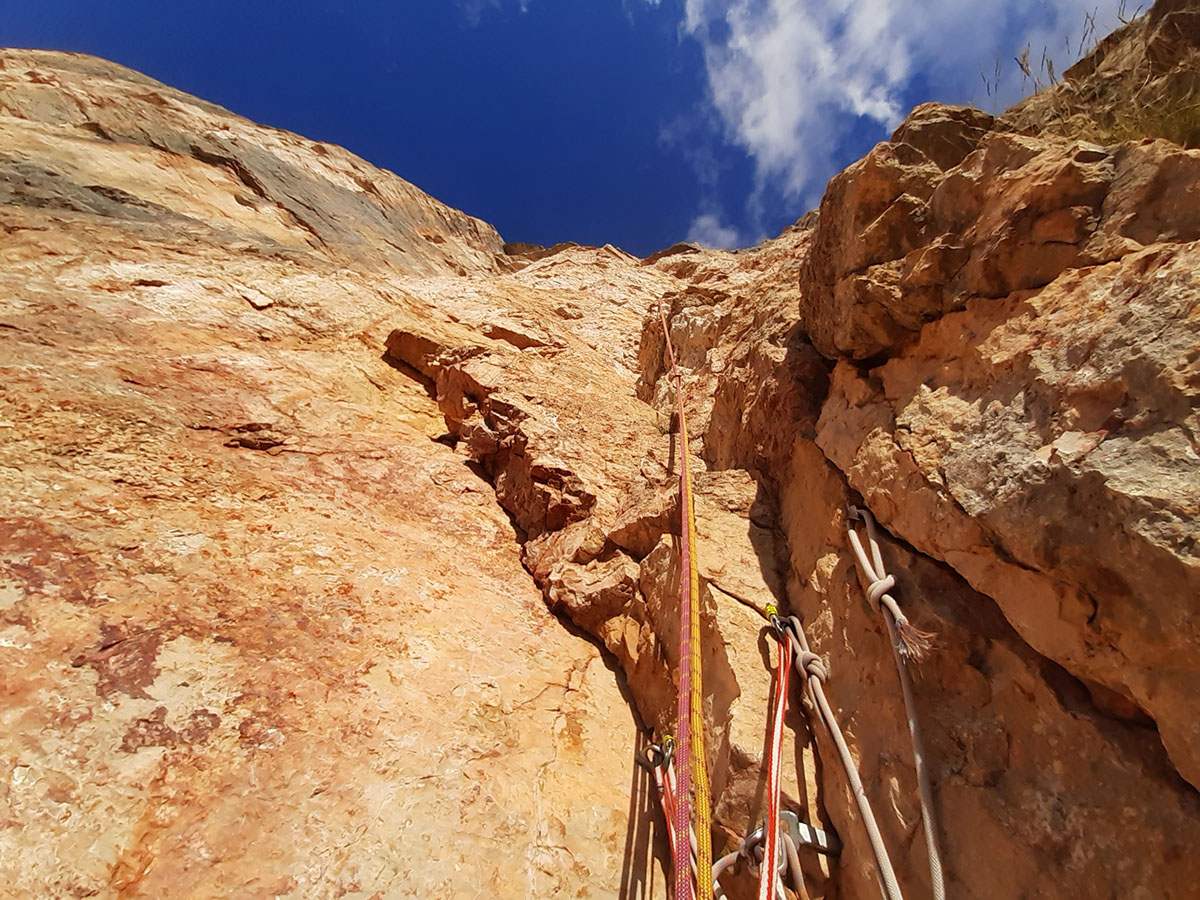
693,764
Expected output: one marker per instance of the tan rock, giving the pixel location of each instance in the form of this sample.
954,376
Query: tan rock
260,635
945,134
591,488
900,242
1058,446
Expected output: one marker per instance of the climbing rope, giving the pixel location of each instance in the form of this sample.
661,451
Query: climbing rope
751,849
793,834
660,761
769,851
810,667
693,768
907,644
793,860
766,875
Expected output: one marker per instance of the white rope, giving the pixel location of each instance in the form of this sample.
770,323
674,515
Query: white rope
793,858
814,671
907,643
750,848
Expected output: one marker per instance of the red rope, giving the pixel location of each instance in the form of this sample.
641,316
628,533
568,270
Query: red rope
683,722
683,809
667,802
664,779
767,872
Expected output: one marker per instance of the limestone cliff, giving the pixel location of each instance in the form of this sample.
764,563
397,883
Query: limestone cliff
337,552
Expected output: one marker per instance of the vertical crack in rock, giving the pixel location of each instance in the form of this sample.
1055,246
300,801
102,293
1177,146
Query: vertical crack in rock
589,486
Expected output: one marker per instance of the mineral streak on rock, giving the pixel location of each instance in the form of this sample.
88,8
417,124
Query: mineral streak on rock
305,473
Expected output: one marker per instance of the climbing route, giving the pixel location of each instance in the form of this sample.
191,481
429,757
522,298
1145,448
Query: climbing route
771,850
693,766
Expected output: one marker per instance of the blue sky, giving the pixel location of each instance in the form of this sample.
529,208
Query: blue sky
635,122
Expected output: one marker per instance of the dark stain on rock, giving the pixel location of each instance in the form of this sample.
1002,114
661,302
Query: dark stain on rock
257,732
150,731
199,726
42,560
153,730
124,662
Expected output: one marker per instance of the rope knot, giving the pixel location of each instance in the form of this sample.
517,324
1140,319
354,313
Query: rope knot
813,665
879,587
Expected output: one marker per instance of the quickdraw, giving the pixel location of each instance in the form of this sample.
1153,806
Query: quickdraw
792,833
659,759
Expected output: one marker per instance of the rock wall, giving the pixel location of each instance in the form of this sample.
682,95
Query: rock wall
261,634
954,408
338,551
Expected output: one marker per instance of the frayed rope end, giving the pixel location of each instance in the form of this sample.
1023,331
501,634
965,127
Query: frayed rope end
914,643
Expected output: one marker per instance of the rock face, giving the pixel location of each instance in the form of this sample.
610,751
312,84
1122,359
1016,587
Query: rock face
260,633
338,549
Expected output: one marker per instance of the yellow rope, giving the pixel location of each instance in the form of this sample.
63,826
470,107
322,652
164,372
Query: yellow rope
702,824
704,887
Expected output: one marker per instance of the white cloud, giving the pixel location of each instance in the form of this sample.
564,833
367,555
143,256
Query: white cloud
708,231
473,10
791,79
